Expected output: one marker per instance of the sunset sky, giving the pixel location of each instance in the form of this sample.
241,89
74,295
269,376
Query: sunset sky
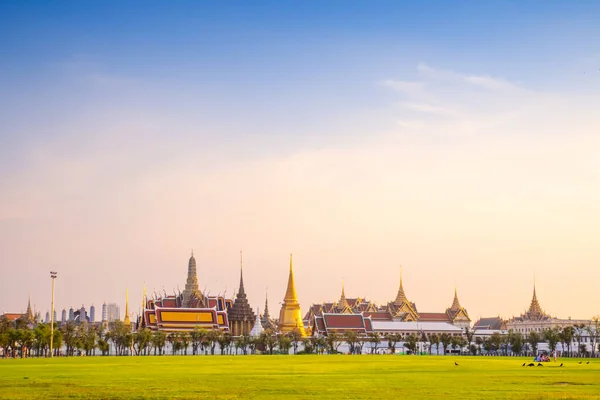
460,140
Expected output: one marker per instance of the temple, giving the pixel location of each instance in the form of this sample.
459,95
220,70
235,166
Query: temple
187,310
290,316
241,316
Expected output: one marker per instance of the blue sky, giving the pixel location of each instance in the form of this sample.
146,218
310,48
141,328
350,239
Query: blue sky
122,120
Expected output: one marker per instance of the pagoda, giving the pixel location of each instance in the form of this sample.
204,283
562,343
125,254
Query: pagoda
535,311
265,320
458,314
290,316
257,329
401,308
241,316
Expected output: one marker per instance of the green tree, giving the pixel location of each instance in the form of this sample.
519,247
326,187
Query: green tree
552,337
566,338
533,339
284,342
410,342
434,338
374,339
159,340
593,330
333,342
496,341
69,337
351,338
515,339
296,337
212,337
224,341
197,337
445,339
393,339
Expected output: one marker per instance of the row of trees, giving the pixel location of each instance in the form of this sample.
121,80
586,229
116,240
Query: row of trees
22,340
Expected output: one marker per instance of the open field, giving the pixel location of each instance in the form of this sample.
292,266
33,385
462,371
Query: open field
297,377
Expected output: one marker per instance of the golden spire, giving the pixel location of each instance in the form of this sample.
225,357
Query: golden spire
290,294
343,302
455,303
126,320
290,316
401,296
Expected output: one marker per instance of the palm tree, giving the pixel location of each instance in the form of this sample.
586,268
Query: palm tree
295,337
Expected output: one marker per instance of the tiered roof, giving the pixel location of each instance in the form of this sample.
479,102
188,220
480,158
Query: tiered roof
241,310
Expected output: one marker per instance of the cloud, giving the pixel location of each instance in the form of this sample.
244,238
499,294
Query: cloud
407,87
484,81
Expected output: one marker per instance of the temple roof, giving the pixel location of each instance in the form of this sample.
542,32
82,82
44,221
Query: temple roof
241,310
434,317
400,296
493,323
455,303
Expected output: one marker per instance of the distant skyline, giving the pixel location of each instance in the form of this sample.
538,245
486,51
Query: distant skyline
458,140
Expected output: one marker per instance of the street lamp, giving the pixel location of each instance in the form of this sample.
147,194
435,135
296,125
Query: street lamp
53,276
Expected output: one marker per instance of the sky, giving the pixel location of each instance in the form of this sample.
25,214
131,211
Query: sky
457,140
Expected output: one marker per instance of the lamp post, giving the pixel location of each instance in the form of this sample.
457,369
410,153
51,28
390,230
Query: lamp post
53,277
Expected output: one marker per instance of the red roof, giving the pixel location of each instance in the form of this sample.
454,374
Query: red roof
320,324
368,325
379,315
335,321
13,316
438,317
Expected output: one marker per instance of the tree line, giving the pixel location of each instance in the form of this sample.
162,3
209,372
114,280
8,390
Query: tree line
22,339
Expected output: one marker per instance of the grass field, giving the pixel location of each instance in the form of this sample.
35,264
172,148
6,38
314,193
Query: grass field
297,377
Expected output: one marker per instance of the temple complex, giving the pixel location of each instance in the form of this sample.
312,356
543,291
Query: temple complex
290,316
241,316
401,309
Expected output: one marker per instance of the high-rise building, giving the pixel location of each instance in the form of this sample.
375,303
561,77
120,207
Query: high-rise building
92,313
63,316
113,313
47,320
71,314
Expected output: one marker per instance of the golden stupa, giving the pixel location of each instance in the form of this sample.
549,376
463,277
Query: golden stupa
290,316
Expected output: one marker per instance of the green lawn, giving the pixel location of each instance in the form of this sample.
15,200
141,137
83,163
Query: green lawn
297,377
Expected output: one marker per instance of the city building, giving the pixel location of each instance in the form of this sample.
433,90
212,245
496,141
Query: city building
113,312
92,313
